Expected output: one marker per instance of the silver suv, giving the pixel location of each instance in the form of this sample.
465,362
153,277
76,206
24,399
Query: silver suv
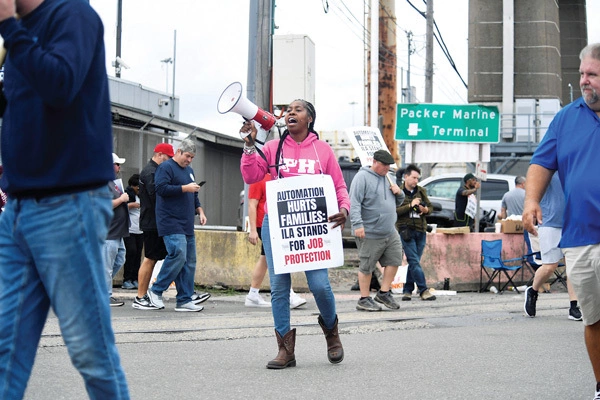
442,189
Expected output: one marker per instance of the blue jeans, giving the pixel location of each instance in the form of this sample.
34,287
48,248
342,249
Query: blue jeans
414,250
114,258
179,267
318,283
51,255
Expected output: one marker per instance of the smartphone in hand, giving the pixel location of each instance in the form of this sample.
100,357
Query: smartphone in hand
201,183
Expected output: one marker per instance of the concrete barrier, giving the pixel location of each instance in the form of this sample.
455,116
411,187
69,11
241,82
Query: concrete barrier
458,257
226,258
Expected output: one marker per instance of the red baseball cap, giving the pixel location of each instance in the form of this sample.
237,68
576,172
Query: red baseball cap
164,148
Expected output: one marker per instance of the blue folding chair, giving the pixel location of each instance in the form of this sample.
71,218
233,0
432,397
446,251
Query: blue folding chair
491,259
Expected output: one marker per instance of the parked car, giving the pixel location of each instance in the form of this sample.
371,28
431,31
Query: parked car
442,189
349,170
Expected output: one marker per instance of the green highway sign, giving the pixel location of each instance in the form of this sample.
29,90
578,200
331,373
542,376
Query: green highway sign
470,123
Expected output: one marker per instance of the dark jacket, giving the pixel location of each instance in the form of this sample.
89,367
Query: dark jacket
58,111
404,210
175,210
147,195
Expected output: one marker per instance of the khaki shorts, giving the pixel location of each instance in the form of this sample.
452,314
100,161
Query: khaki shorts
388,251
583,270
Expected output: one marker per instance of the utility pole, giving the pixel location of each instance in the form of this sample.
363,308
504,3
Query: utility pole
429,54
260,61
174,64
374,66
388,92
117,64
260,53
410,51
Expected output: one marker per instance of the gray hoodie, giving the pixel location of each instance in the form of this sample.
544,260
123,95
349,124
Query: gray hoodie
373,205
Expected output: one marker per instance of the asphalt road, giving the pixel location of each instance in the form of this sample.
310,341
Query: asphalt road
468,346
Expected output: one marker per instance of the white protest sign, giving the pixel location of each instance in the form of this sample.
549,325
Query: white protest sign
301,236
366,141
471,209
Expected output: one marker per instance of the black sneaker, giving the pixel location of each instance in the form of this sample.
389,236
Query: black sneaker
116,303
575,314
530,301
387,300
367,304
200,297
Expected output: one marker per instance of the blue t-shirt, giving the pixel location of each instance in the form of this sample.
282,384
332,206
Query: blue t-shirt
553,204
571,146
175,210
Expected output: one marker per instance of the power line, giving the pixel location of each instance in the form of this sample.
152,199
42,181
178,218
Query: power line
440,42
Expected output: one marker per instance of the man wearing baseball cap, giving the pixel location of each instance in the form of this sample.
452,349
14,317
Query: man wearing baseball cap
373,202
469,187
154,247
114,246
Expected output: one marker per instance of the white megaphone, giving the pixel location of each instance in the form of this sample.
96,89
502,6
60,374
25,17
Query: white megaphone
232,100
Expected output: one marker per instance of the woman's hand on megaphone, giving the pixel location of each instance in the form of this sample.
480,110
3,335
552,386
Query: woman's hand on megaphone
248,132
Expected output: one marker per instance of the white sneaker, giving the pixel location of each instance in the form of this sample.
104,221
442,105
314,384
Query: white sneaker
155,300
256,301
296,301
189,307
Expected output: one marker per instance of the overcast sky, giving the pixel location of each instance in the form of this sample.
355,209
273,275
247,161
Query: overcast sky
212,51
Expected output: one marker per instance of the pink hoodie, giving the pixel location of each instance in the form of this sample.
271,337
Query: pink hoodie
312,156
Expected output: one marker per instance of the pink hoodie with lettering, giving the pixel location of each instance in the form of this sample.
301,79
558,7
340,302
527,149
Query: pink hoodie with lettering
312,156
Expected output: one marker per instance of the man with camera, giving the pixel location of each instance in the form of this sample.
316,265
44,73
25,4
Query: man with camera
412,226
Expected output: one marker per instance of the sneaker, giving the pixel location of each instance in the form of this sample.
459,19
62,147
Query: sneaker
155,299
356,286
406,296
201,297
575,314
143,303
189,307
387,300
135,283
530,301
427,296
296,301
128,285
367,304
116,303
256,300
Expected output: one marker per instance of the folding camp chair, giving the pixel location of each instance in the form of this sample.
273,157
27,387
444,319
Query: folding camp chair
491,259
533,260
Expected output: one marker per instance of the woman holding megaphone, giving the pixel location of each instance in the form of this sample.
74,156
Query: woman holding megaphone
298,152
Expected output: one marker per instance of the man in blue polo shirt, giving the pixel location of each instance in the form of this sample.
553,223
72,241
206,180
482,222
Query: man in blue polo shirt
571,147
176,205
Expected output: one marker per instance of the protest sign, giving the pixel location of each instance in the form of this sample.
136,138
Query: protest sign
366,141
301,236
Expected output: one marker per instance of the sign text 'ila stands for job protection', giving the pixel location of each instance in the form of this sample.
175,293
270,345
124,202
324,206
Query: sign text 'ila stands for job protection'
448,123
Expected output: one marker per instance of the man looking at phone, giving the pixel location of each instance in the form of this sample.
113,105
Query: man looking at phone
176,205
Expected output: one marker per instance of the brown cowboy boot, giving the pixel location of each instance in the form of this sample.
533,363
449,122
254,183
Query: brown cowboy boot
335,351
285,358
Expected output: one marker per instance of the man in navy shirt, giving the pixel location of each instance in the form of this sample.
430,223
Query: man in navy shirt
56,154
176,205
570,146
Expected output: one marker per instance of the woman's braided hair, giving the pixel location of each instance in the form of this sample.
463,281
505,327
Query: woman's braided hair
311,111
